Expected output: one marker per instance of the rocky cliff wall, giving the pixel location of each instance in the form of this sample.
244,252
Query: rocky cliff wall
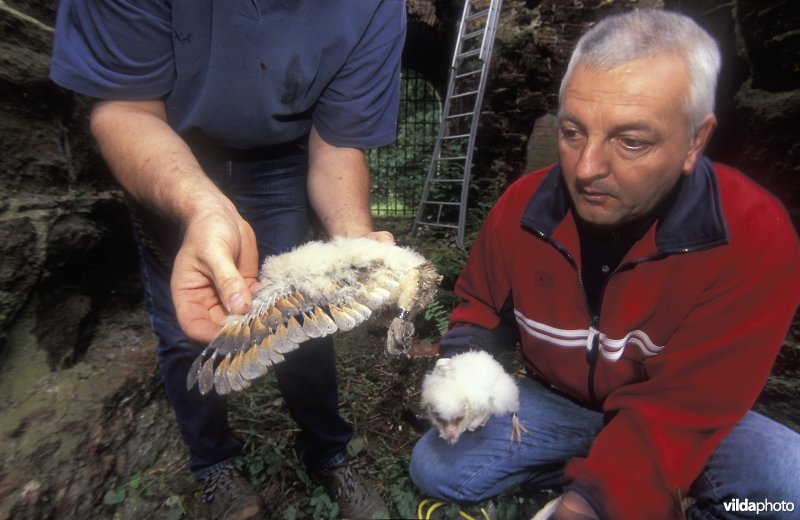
63,234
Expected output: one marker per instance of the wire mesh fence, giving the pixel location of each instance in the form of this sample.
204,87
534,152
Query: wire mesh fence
399,170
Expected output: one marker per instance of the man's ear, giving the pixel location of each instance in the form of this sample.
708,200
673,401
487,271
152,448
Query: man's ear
698,143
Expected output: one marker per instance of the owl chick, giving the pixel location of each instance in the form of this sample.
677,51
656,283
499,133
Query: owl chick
463,392
311,292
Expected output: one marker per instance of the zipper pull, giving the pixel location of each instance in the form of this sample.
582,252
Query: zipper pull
593,346
592,353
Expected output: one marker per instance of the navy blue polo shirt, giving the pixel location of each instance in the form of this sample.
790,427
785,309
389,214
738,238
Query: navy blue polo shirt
243,73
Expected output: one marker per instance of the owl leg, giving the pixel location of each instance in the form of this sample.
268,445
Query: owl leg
401,330
516,431
417,289
409,295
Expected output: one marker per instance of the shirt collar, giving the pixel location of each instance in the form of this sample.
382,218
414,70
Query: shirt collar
690,218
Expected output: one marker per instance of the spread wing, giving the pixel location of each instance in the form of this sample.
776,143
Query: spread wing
247,345
312,292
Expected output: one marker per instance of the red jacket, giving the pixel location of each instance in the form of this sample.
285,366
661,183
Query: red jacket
689,326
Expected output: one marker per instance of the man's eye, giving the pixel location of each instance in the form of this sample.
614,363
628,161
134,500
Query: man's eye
632,145
569,133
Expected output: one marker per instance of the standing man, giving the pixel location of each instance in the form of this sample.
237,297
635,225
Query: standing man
650,290
227,123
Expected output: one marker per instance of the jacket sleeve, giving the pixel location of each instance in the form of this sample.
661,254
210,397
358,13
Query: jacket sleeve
484,318
662,431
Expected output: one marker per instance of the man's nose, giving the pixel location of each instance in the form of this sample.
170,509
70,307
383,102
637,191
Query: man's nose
593,162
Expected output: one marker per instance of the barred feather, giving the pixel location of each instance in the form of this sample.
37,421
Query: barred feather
311,292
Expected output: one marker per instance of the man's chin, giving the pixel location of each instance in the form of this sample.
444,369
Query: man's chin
595,216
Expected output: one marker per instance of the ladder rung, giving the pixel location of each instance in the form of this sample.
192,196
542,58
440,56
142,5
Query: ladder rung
439,224
464,94
445,181
467,54
473,34
462,114
468,73
476,15
440,203
453,158
451,137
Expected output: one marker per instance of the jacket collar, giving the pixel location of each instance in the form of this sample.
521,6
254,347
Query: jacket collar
692,220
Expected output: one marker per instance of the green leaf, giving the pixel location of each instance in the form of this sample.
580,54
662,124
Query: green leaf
356,446
290,513
114,497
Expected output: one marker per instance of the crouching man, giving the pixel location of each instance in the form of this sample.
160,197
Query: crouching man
650,290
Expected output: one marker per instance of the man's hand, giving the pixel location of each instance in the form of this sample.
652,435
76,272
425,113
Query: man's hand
574,507
380,236
217,264
215,272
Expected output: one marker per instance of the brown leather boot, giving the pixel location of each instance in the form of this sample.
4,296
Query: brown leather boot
231,497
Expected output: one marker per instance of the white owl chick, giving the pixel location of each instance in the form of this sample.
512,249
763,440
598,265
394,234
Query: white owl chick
311,292
463,392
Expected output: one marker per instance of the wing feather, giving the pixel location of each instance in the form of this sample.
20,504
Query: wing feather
294,331
344,320
221,376
252,367
266,354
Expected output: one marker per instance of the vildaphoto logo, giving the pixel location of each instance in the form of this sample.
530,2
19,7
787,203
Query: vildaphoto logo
757,507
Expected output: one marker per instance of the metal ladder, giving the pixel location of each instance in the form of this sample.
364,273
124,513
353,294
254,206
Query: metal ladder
444,197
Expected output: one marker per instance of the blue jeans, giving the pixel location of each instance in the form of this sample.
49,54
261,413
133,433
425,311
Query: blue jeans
759,459
270,193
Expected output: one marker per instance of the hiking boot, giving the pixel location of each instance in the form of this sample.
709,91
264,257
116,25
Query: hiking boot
230,496
356,497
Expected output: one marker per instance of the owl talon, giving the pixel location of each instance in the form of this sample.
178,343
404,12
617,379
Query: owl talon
399,337
516,431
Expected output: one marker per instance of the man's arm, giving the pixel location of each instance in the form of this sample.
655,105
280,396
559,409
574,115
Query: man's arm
218,259
338,188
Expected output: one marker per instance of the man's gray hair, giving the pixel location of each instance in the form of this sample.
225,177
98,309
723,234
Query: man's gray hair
645,33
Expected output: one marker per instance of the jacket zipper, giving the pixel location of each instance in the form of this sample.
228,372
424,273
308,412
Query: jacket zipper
593,353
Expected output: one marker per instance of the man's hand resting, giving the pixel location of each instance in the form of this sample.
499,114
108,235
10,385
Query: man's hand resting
215,272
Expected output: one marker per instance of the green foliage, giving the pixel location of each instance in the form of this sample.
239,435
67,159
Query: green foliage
403,494
438,315
114,496
143,485
321,505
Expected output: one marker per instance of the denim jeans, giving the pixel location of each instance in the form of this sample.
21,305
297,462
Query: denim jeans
270,193
759,459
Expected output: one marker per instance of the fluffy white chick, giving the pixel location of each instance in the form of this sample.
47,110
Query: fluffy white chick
461,393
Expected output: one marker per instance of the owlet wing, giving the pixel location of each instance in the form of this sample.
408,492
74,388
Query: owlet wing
312,292
247,345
